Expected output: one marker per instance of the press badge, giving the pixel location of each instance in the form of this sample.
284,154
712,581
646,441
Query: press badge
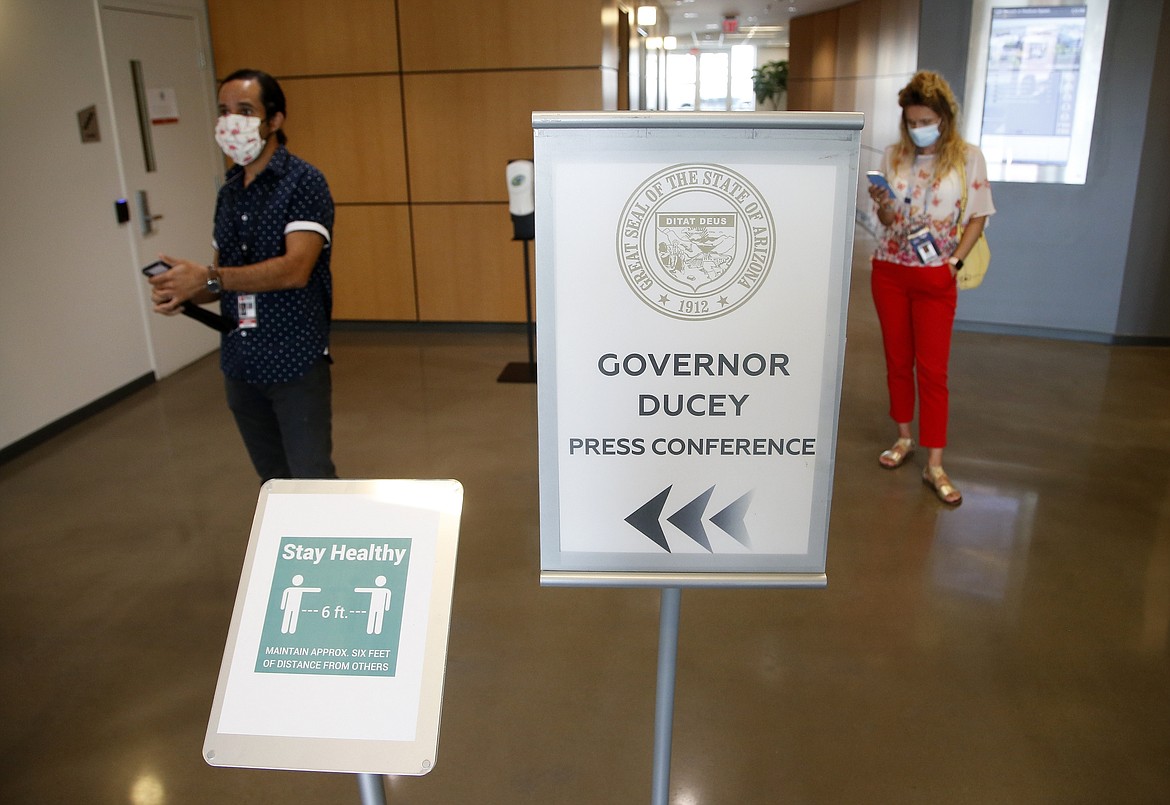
923,243
246,310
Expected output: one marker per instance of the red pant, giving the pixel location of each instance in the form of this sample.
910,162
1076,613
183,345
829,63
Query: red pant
916,308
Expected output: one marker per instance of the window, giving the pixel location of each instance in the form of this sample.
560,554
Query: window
1032,79
681,77
711,80
743,94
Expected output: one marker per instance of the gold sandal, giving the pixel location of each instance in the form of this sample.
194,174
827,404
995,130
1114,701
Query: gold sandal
936,479
894,457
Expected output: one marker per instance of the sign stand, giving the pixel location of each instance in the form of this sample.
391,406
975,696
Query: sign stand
668,619
693,281
522,208
523,372
373,791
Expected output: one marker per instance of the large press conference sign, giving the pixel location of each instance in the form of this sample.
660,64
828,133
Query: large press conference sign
692,283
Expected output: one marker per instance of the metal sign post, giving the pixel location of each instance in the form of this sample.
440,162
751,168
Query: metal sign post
668,620
692,286
373,790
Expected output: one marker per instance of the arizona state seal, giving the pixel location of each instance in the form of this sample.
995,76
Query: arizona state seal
696,241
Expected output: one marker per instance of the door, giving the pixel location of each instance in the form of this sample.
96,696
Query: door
158,62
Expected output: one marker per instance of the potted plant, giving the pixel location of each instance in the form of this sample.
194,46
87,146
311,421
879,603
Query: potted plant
770,82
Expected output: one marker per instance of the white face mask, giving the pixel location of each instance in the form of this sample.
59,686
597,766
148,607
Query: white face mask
239,137
925,136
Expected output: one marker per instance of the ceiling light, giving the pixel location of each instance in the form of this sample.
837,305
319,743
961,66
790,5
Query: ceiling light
647,15
669,43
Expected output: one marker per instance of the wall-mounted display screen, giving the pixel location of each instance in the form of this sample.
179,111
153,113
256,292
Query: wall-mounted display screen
1032,87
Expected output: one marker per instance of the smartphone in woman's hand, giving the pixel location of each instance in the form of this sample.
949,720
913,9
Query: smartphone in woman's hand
876,178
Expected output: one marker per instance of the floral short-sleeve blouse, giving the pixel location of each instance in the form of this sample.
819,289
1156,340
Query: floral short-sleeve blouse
922,201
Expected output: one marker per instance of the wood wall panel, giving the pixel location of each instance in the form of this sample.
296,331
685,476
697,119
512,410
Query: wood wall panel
373,274
863,61
824,59
898,35
856,58
414,146
848,57
351,128
462,128
611,48
895,65
304,37
812,61
495,34
469,268
800,64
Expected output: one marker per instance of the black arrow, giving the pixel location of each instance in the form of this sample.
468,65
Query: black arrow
731,520
689,519
645,519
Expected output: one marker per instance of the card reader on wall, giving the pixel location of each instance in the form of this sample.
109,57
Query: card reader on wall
122,211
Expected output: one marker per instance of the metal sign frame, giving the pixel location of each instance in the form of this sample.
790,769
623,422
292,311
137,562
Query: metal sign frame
686,264
351,680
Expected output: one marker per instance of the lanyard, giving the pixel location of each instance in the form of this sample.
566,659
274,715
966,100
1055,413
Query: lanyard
910,185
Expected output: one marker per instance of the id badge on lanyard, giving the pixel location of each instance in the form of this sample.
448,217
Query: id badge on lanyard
921,240
246,311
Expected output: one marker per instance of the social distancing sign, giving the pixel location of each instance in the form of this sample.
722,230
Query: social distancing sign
346,590
337,647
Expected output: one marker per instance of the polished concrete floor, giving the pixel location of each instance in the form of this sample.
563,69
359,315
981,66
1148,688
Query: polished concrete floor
1013,650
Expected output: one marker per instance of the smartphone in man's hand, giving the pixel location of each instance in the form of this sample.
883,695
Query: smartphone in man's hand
206,317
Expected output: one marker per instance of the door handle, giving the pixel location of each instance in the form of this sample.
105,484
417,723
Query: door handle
143,115
145,219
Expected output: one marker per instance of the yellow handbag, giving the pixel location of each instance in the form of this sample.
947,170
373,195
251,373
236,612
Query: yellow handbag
975,263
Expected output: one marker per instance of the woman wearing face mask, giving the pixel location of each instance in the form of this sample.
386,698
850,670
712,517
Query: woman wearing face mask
919,254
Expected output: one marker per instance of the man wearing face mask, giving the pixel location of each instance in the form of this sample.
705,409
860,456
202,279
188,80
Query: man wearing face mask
272,238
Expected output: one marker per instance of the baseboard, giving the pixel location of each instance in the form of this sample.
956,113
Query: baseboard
1055,334
22,446
357,326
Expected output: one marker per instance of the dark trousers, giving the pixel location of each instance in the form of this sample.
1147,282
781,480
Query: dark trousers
287,427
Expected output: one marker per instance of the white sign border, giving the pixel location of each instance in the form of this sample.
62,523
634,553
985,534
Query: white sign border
624,134
443,498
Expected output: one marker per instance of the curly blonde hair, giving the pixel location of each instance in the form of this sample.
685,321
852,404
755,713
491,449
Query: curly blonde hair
931,90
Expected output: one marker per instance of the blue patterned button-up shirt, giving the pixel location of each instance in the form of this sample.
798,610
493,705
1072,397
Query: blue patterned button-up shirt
292,331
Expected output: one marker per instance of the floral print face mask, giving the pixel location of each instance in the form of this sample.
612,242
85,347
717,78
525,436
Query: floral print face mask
239,137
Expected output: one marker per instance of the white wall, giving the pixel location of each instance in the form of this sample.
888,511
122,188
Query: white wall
771,54
72,322
71,326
